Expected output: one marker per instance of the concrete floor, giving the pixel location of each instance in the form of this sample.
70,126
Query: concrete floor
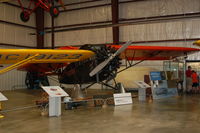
173,115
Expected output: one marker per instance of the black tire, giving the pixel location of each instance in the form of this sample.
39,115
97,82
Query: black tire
54,11
24,16
29,81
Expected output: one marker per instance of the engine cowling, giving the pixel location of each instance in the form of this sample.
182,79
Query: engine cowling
78,72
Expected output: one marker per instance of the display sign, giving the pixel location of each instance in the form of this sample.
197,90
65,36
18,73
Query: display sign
2,97
55,91
122,98
162,91
157,75
142,84
142,90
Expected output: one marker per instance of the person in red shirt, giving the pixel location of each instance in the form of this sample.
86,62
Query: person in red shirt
195,82
189,71
189,80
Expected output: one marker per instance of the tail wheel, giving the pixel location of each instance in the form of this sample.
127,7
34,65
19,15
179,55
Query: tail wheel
24,16
54,11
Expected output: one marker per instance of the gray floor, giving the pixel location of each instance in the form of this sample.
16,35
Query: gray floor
174,115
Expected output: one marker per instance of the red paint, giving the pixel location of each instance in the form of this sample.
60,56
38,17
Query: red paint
157,48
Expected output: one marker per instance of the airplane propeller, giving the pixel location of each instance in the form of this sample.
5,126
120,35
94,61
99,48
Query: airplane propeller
104,63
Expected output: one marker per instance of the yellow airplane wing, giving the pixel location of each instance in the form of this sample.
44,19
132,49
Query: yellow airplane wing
23,62
19,57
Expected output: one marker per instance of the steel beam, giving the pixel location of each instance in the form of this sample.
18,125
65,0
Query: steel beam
40,27
115,20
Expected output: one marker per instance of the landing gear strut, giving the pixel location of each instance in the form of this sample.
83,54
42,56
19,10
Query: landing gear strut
33,80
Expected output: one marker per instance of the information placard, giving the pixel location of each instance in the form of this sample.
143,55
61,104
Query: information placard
122,98
162,91
155,76
142,84
2,97
55,91
142,90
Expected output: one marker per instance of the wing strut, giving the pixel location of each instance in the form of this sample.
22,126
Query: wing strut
131,65
23,62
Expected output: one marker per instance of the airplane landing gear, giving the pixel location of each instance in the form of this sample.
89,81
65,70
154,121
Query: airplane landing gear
33,80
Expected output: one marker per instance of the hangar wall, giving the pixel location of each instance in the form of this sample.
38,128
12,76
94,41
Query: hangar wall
12,80
154,32
149,22
144,29
14,34
13,30
73,17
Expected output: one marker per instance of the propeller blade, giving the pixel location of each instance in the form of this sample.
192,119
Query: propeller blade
122,48
104,63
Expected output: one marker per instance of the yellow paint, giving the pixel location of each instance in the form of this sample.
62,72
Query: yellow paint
11,56
1,116
0,106
16,65
197,43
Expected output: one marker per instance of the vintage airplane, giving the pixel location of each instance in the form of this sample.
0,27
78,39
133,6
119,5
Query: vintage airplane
88,64
47,5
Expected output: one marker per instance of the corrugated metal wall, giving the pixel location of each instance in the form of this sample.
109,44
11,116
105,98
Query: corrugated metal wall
154,32
15,35
92,36
160,30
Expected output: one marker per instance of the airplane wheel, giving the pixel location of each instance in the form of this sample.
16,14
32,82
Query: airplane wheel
54,11
29,81
24,16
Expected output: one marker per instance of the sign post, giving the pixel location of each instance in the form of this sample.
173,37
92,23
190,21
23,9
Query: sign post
142,90
55,93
